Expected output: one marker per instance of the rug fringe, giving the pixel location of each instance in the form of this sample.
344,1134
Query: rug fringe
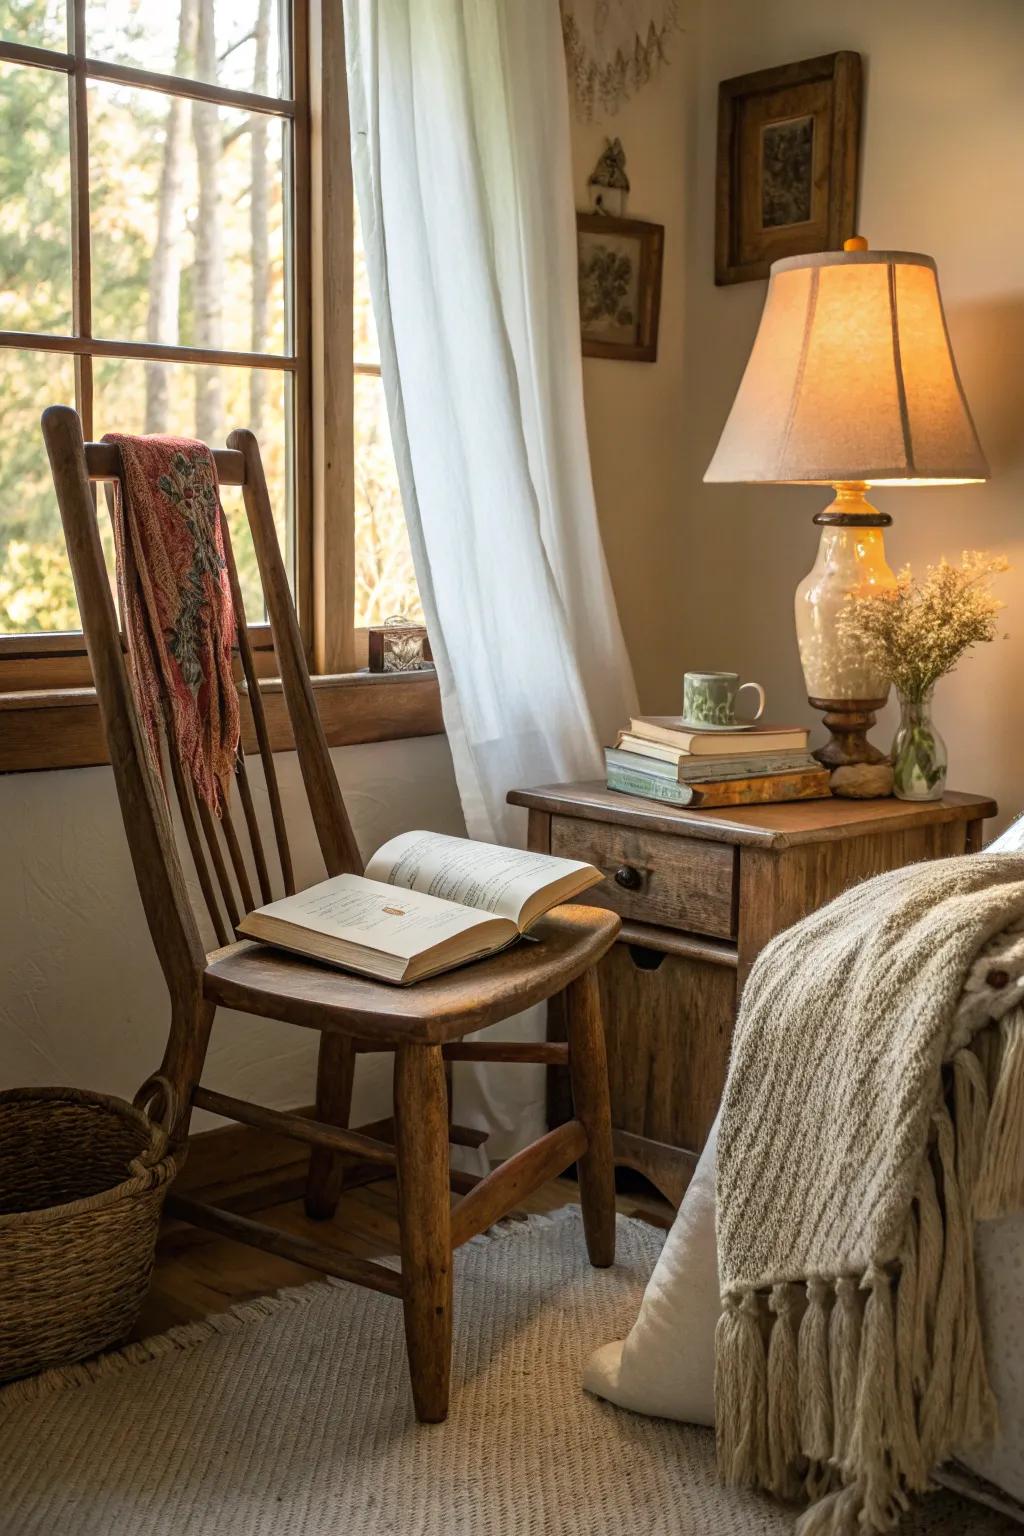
242,1314
181,1337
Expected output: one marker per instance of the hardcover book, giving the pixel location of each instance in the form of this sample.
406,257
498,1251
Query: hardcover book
810,784
426,904
669,731
684,768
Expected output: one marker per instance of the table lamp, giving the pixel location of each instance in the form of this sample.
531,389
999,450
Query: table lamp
851,383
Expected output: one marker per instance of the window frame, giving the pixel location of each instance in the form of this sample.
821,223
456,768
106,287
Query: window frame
45,682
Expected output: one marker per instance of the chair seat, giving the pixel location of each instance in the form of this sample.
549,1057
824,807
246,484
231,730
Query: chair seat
254,978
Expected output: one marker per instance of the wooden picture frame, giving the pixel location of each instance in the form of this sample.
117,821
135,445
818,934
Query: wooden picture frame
788,148
633,249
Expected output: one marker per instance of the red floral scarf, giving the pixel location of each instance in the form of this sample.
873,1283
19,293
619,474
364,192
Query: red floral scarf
176,604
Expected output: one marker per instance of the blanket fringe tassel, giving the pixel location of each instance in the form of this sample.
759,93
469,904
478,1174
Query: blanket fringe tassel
1001,1180
851,1388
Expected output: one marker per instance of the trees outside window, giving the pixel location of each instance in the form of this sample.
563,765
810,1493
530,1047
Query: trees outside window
154,229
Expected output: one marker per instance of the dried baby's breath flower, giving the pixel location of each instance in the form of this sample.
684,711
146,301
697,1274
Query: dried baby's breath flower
916,632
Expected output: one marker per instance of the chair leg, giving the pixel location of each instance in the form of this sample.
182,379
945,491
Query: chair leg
588,1071
424,1216
335,1070
185,1057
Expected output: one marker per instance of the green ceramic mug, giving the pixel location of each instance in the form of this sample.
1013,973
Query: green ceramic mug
709,699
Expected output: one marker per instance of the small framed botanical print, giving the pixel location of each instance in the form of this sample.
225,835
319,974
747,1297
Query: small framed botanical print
620,286
788,143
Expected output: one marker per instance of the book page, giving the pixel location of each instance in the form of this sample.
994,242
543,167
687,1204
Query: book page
361,911
480,875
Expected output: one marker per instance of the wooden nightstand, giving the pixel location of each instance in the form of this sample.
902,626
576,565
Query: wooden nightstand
700,893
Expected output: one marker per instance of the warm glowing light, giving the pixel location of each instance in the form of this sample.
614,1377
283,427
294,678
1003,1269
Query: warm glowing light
851,377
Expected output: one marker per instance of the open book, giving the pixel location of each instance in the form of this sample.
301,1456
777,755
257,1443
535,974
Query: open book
426,904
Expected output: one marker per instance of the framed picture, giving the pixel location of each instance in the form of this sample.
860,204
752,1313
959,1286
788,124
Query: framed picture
620,286
788,142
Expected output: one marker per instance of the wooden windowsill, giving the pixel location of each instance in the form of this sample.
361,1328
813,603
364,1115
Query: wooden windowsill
61,728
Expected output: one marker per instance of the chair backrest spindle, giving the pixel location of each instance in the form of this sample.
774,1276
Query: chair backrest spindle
259,721
252,827
337,843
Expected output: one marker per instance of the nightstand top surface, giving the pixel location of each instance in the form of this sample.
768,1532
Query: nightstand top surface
779,826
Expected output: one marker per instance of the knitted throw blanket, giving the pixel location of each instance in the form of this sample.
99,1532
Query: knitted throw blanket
874,1110
176,605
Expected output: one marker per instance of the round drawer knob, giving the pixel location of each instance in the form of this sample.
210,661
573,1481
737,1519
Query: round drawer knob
629,878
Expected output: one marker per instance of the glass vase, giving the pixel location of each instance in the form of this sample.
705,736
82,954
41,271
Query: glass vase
918,752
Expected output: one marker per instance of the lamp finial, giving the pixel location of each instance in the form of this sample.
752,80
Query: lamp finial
855,243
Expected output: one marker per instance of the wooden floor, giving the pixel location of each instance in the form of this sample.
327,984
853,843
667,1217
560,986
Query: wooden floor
197,1273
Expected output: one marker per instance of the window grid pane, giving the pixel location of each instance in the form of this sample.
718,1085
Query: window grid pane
365,347
385,584
385,579
35,23
238,44
144,184
187,221
35,201
36,590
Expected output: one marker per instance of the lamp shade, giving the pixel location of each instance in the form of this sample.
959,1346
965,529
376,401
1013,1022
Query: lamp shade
851,377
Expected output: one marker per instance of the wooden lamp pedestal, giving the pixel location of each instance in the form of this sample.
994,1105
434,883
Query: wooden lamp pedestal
848,722
859,770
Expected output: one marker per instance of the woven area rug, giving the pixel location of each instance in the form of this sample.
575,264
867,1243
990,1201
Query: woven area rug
291,1417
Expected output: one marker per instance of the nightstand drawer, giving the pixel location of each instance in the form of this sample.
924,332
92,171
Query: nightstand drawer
653,877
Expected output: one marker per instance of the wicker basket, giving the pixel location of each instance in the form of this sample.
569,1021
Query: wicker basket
82,1181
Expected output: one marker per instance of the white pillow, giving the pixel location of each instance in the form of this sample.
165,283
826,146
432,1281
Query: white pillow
666,1367
1010,840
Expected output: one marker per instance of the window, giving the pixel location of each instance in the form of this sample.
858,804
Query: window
384,578
163,190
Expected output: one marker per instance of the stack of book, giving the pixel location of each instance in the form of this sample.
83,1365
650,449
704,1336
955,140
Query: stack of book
660,758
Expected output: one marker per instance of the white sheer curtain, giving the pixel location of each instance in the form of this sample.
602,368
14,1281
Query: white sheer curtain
460,139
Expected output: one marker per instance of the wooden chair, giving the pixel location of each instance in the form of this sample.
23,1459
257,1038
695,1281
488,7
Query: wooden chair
424,1025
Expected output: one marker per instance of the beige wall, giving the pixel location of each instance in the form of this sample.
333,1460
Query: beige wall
704,576
633,409
82,1000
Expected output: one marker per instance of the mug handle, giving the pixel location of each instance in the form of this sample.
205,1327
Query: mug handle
760,701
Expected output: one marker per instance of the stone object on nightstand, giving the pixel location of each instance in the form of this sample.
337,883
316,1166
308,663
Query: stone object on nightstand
862,781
